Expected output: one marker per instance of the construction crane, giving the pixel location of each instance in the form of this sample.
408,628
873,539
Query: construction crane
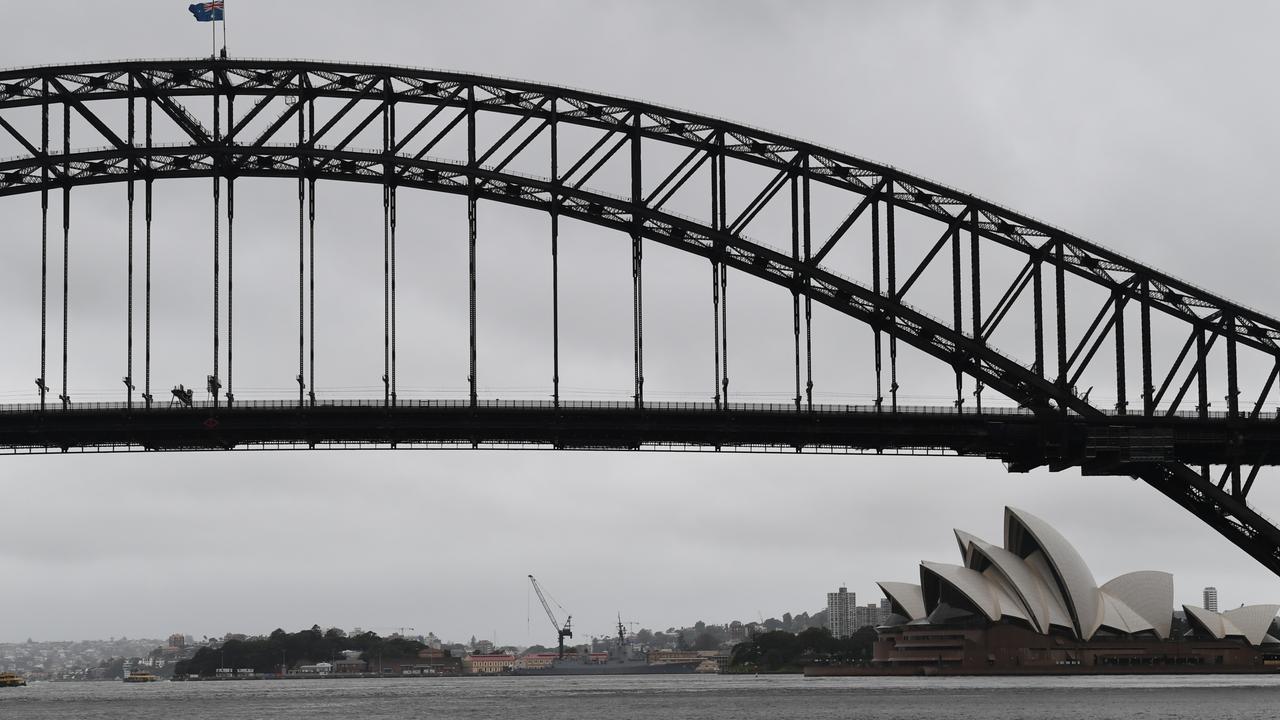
561,632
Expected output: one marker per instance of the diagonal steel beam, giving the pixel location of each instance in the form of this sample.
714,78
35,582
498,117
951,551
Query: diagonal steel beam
515,152
1093,350
758,203
184,120
933,252
89,115
1093,327
95,121
872,196
281,90
1230,516
623,139
1266,390
36,152
360,126
303,83
684,178
515,127
1006,302
444,132
586,157
1196,373
413,133
1173,369
1248,485
365,93
671,176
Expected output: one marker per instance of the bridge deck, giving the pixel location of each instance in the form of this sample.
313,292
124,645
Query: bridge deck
1019,437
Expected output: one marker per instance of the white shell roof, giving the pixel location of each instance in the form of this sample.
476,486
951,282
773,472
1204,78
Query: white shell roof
906,596
1211,622
1121,618
965,540
1253,621
1026,584
1039,578
1148,593
1006,596
1058,614
1250,622
969,583
1079,589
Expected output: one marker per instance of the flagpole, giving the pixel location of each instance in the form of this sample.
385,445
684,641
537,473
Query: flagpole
224,29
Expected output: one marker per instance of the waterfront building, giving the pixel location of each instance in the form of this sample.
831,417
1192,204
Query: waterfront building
841,605
428,661
536,661
434,661
1033,605
488,664
349,666
658,657
1211,599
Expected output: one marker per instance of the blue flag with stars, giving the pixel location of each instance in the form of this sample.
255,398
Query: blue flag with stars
207,11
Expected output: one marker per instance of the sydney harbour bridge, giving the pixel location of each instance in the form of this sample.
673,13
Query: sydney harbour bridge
1064,354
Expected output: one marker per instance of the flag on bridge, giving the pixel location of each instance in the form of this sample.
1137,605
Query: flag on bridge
207,11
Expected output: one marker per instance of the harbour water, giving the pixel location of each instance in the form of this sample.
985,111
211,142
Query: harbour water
715,697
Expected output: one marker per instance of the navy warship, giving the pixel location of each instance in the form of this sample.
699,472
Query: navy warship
621,659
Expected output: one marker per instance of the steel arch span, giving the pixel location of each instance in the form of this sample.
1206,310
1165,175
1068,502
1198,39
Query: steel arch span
1090,318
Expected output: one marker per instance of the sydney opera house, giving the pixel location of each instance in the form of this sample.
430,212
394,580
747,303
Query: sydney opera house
1033,606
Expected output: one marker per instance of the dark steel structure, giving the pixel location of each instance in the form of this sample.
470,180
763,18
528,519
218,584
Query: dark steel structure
304,121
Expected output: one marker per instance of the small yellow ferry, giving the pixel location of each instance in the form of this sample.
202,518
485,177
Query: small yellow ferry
138,676
9,679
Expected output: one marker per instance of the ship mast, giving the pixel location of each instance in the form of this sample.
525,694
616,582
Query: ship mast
622,638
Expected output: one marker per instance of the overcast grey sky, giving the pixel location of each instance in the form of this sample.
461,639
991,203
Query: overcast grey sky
1148,128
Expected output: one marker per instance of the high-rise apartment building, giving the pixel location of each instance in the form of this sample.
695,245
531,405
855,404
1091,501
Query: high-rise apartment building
1211,599
869,615
840,608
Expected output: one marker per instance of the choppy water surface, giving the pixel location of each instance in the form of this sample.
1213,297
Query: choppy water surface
657,698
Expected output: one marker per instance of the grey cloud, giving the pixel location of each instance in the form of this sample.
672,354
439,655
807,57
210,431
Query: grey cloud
1141,127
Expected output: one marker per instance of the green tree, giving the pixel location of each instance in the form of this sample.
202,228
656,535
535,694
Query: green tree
114,668
264,655
780,651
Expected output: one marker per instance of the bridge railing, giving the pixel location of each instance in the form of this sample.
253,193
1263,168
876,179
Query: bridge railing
678,406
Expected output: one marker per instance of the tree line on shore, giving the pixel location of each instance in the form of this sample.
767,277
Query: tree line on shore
285,650
781,651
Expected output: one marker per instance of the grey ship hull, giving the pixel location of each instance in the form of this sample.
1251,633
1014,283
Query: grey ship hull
613,668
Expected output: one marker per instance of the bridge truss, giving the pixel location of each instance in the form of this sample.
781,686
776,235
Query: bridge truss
466,135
